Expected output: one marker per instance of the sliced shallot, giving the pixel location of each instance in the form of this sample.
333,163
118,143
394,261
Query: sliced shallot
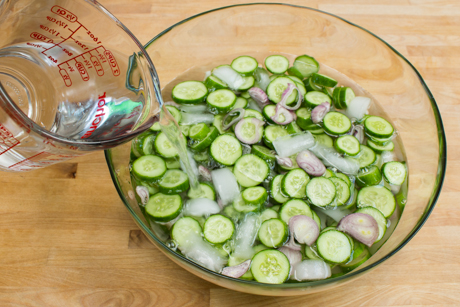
259,96
287,162
249,130
143,193
205,173
287,92
304,228
294,256
282,115
360,226
311,270
238,270
310,163
318,113
239,113
358,133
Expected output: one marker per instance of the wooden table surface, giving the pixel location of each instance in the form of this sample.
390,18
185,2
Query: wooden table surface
67,240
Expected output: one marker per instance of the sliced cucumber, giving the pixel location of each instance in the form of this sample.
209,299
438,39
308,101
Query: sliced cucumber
218,229
201,156
303,118
245,65
360,255
305,65
316,219
273,132
221,101
250,170
212,82
334,246
369,176
293,128
344,178
328,173
241,206
185,129
379,218
321,191
183,229
268,112
294,183
390,146
175,113
164,147
268,214
149,167
343,190
294,207
253,113
207,191
218,123
255,195
310,86
249,82
250,131
277,64
323,80
198,131
378,197
336,123
204,143
241,103
275,190
174,182
313,99
266,154
276,88
342,97
164,208
226,149
273,233
379,127
245,95
270,266
348,145
324,139
189,92
366,156
394,172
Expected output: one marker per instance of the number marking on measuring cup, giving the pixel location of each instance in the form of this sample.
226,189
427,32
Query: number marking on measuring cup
82,71
67,50
7,140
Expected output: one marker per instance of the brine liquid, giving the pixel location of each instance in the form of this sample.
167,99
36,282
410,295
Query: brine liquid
171,129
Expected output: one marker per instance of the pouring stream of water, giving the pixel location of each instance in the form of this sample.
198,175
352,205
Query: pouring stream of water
171,128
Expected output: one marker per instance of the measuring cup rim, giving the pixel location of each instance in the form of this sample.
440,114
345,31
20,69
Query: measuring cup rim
83,144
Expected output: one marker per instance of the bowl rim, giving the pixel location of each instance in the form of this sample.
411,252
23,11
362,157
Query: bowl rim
442,162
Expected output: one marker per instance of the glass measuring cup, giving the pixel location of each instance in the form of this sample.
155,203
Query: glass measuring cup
73,80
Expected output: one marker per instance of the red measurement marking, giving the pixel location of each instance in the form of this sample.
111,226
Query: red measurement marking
66,77
113,62
97,65
7,140
82,70
64,13
41,37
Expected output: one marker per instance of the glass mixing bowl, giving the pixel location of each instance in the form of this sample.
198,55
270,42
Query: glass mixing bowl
350,49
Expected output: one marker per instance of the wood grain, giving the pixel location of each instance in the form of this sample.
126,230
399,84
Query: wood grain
67,240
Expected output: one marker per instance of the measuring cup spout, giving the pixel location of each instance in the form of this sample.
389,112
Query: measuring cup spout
68,85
